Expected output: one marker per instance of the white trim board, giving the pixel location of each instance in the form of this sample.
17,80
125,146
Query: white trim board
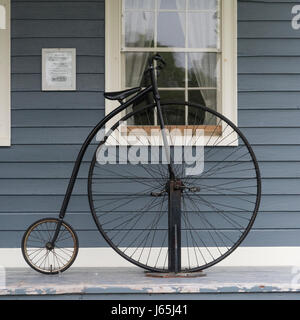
5,135
107,257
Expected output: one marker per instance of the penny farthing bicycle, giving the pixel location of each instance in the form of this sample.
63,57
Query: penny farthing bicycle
158,213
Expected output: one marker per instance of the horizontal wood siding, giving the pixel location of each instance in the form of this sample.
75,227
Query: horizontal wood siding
48,127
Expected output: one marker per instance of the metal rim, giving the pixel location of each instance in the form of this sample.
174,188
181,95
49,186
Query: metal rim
43,240
253,215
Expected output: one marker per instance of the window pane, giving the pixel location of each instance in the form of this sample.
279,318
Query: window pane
135,66
173,114
173,75
139,29
145,117
206,98
172,4
203,30
171,29
172,95
203,4
203,70
139,4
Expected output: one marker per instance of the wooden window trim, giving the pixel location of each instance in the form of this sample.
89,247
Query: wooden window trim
5,121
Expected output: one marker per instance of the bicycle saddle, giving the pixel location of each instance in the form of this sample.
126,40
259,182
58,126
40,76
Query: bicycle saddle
121,95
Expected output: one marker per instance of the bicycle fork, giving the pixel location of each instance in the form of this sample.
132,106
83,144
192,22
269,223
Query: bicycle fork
174,189
174,226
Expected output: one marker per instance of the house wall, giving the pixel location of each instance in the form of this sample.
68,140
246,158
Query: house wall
49,127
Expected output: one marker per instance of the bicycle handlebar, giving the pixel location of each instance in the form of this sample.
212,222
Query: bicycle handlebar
159,58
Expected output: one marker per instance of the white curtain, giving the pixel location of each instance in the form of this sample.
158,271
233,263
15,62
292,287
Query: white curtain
204,67
139,32
202,33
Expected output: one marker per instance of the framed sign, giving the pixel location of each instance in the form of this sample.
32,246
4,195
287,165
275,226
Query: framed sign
58,69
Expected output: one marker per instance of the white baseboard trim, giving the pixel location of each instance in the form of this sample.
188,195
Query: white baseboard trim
106,257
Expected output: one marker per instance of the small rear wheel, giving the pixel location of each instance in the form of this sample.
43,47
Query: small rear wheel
38,252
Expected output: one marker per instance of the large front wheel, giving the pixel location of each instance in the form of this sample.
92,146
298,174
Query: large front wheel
217,178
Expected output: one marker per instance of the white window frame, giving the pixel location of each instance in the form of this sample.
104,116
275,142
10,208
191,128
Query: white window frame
5,121
228,74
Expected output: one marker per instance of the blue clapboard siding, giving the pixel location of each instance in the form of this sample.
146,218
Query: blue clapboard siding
37,25
48,127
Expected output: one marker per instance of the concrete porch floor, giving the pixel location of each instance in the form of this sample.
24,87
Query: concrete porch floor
131,283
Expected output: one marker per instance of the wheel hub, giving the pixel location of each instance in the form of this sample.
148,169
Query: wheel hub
49,246
176,185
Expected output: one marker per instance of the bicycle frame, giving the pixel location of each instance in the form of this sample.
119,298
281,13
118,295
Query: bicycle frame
82,152
174,191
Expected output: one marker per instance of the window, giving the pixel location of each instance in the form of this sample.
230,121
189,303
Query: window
4,73
197,38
